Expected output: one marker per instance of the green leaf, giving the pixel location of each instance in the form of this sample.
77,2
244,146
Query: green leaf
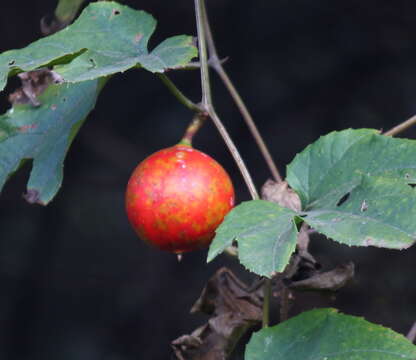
379,212
44,134
353,188
67,9
7,130
106,38
266,234
324,334
333,165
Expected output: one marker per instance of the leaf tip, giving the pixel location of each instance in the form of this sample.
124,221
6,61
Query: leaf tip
211,255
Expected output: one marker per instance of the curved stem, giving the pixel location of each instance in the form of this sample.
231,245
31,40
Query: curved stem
207,100
401,127
179,94
234,152
267,291
193,128
216,63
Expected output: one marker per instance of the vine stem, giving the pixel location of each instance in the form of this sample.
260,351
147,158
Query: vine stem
203,58
267,294
196,123
216,64
412,333
179,94
206,102
401,127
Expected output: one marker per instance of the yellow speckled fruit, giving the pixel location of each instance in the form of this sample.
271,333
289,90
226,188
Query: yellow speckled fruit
177,197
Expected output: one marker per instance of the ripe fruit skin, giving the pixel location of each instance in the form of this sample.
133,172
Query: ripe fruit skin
177,197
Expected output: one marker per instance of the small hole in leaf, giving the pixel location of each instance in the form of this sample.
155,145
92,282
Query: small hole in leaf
116,12
364,206
63,99
343,199
407,176
412,185
11,62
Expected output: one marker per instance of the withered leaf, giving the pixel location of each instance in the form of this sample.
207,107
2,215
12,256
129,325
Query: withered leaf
34,83
327,281
234,308
280,193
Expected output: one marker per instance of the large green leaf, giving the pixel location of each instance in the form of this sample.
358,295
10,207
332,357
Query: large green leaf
324,334
106,38
333,165
379,211
44,134
266,234
354,188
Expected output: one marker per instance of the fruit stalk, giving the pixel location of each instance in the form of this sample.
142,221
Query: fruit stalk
196,123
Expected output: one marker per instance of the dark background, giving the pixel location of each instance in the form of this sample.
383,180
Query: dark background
76,283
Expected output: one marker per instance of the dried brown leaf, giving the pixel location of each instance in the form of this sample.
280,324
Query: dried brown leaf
234,308
280,193
327,281
34,83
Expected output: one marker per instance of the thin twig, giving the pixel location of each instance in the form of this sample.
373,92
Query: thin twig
207,100
179,94
267,291
216,63
236,155
412,333
250,123
193,65
401,127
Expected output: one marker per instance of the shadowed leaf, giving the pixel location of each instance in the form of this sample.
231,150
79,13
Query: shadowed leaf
325,334
44,134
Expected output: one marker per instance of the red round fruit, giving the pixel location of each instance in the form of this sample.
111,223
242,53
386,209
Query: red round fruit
177,197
